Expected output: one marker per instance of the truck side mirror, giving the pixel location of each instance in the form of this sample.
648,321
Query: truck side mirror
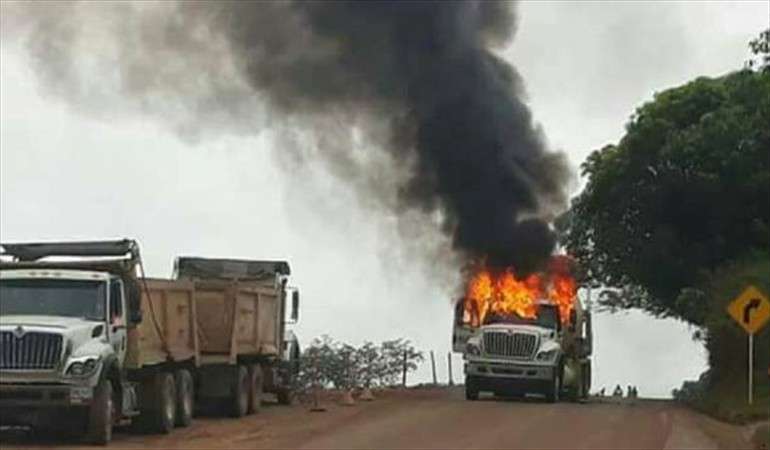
134,303
459,312
295,305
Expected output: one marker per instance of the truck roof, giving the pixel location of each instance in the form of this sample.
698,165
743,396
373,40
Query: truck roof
33,251
54,273
231,269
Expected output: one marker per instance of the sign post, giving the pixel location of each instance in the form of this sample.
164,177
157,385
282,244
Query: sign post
751,310
751,369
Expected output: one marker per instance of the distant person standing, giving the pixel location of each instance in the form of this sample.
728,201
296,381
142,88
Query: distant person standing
618,392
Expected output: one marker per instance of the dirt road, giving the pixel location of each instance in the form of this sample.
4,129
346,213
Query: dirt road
440,419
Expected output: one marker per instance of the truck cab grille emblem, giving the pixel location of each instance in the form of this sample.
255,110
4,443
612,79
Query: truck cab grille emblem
19,332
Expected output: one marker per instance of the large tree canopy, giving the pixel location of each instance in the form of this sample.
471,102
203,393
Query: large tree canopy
686,190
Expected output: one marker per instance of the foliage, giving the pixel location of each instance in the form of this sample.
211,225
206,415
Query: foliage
329,363
760,48
684,192
724,339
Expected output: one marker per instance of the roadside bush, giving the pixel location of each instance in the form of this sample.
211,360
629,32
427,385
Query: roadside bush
333,364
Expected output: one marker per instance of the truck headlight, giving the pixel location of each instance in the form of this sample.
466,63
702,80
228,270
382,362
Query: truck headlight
83,367
547,355
472,349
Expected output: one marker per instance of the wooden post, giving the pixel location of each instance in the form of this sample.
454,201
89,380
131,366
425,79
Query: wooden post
433,366
449,365
403,379
317,407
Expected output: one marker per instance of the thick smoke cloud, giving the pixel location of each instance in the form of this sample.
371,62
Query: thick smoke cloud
405,97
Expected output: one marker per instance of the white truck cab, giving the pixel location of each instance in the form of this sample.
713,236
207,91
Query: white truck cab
510,355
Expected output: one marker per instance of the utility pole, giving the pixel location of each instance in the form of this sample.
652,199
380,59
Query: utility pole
433,366
403,378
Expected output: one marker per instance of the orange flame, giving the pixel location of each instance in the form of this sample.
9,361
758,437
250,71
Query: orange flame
505,294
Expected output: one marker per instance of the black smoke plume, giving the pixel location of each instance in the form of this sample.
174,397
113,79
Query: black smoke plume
419,79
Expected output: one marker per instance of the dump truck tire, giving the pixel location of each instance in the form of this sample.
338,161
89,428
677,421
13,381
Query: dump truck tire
285,396
586,379
185,397
256,383
471,389
101,415
239,393
554,390
158,413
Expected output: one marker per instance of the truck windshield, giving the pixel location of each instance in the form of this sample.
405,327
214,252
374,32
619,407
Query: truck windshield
546,317
70,298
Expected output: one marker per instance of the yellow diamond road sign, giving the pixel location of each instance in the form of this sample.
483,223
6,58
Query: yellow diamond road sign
751,309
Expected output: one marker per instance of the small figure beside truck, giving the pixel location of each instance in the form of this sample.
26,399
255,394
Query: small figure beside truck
511,354
88,342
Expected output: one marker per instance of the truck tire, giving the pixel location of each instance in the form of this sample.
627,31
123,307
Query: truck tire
586,379
256,383
285,396
553,391
239,393
101,415
158,404
471,389
185,397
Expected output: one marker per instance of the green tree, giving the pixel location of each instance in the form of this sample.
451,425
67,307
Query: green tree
684,192
760,48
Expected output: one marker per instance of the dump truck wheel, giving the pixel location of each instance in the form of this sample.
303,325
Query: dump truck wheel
239,393
471,389
185,397
554,390
256,381
159,397
101,415
285,396
586,379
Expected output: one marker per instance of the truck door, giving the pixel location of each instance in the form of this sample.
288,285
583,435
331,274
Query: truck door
117,319
462,331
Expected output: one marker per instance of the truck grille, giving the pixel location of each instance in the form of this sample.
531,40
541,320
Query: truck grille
515,345
31,351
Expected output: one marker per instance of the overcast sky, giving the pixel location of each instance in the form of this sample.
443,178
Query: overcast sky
64,175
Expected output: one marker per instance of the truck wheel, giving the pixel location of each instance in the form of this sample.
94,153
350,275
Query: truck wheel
285,396
101,415
185,397
239,393
471,389
256,380
158,412
586,379
554,390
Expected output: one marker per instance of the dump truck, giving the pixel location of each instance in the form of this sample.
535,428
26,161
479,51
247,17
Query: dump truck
88,342
512,355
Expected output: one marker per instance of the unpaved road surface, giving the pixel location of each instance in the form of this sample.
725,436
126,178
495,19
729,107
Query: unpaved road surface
438,418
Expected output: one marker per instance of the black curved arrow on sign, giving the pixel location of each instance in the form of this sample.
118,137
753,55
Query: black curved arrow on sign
750,306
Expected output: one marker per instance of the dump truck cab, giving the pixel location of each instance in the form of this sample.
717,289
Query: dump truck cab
509,355
63,333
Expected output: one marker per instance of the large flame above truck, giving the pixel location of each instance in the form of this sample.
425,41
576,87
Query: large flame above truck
500,292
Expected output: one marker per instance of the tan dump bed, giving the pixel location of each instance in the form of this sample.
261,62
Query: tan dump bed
205,322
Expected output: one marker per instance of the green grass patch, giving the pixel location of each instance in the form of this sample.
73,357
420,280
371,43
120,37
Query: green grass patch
728,401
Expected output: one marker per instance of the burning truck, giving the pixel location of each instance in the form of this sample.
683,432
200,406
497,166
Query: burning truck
524,335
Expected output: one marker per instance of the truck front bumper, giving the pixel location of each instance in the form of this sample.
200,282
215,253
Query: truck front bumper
508,378
43,395
490,369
